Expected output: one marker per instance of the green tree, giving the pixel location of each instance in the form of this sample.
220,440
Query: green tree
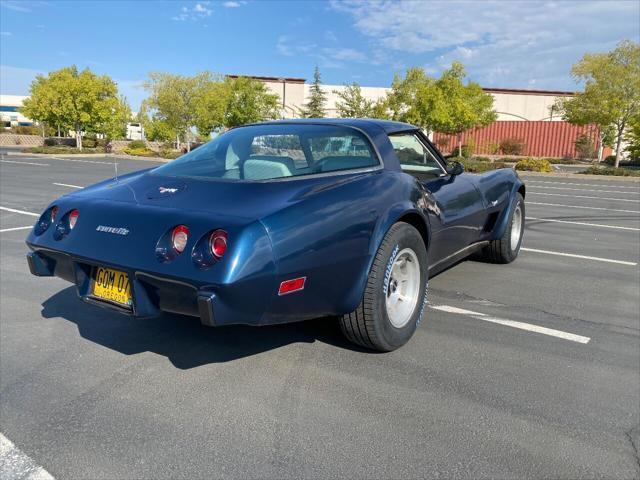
249,101
78,100
352,104
173,99
633,138
315,107
611,97
449,106
401,103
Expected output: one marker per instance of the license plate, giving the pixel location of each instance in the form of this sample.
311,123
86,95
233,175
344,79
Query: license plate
112,285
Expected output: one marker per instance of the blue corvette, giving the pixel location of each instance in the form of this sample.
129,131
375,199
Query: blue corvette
280,222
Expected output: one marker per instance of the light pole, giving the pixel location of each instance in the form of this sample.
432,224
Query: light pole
284,94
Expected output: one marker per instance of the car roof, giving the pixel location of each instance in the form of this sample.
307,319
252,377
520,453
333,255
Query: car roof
365,124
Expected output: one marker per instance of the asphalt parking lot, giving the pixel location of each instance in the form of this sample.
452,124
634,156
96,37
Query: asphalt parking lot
526,370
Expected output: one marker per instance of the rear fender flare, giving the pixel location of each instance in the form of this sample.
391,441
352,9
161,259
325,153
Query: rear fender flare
503,220
398,212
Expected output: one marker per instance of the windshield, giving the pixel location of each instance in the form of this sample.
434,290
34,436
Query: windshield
264,152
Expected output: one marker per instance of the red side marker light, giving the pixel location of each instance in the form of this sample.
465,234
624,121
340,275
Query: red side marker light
290,286
54,213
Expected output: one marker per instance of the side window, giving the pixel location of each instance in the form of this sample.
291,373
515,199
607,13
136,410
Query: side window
341,152
413,155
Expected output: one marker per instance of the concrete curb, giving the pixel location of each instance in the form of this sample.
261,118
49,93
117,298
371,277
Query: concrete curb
579,176
87,155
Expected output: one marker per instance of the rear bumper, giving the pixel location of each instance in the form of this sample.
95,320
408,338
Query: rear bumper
152,294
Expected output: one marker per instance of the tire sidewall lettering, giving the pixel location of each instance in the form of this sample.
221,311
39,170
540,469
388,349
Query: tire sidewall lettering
387,272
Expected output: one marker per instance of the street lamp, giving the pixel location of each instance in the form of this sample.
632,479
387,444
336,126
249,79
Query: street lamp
284,94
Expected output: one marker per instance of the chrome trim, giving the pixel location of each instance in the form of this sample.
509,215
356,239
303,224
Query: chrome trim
473,246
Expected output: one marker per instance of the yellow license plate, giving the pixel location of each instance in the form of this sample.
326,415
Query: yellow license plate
112,285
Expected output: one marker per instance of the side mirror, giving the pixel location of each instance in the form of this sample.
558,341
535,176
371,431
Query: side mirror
455,168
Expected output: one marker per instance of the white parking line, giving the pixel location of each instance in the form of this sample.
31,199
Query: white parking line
13,210
584,190
26,163
580,206
15,464
67,185
584,257
553,220
635,187
585,196
15,228
514,324
83,161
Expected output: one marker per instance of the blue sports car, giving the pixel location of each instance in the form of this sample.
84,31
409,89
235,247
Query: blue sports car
284,221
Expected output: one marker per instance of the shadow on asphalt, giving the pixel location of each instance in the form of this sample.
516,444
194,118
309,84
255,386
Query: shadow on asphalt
182,339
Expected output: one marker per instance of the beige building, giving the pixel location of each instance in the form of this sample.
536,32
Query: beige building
10,116
510,104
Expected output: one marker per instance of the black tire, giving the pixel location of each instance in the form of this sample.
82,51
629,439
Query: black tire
369,325
500,250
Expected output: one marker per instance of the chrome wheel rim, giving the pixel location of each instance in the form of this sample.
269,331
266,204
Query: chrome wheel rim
403,288
516,227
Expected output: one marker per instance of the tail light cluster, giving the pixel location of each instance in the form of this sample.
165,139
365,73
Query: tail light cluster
64,225
210,248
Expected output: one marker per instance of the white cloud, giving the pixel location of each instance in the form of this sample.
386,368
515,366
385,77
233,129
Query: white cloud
345,54
5,34
501,43
16,6
287,47
198,12
233,3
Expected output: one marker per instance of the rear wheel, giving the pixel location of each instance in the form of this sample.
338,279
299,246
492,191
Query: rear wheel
506,248
395,294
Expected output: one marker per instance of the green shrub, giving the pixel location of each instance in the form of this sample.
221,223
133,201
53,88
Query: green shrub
140,152
481,159
490,147
512,146
59,150
585,147
137,144
617,172
534,165
473,166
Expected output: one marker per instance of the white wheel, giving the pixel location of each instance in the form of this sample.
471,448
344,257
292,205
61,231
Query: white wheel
403,289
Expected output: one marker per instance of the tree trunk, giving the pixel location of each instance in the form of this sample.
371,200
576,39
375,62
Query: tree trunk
459,145
78,139
177,141
618,145
601,146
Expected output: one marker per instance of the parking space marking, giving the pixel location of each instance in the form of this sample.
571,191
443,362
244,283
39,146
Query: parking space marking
67,185
585,190
26,163
13,210
14,229
581,206
553,220
514,324
584,257
635,187
16,464
585,196
83,161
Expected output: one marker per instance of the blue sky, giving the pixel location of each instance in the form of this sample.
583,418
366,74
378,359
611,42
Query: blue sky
529,44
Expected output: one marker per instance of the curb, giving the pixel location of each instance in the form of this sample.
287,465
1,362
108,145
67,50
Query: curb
607,178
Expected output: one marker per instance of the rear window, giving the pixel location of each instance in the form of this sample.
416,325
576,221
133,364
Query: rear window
265,152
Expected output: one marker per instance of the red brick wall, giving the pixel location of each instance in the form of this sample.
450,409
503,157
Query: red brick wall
542,139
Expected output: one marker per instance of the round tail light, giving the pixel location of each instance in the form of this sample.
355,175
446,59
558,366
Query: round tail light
218,243
179,238
73,218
